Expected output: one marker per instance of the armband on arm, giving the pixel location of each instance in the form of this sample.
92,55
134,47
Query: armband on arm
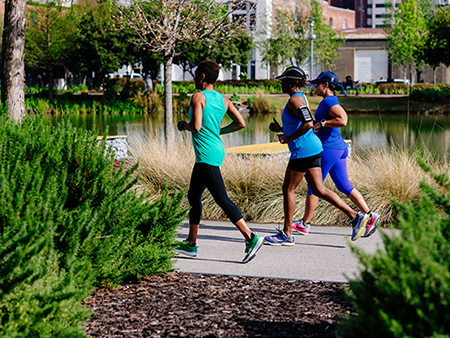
304,114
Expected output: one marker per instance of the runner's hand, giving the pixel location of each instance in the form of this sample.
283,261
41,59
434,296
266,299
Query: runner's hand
275,126
180,125
283,138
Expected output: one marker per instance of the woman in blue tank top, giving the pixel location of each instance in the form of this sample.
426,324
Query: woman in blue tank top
305,159
330,116
206,112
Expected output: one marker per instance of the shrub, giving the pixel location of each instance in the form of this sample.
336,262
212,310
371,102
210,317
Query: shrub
235,97
260,105
424,86
403,290
82,104
151,102
250,100
181,103
68,221
393,88
432,94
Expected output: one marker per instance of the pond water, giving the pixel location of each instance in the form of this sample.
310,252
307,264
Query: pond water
366,131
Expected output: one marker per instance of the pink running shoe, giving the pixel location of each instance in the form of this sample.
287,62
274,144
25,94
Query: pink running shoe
372,224
299,227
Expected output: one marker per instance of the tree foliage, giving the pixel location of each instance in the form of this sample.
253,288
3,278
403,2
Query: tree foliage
327,40
406,38
289,41
165,26
101,49
235,49
50,40
436,49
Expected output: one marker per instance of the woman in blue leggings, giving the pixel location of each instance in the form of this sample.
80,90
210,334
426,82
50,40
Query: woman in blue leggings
329,117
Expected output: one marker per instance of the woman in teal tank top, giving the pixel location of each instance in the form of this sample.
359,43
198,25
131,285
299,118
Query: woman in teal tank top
305,160
206,112
207,143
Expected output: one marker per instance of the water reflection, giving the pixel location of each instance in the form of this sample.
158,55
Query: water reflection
366,131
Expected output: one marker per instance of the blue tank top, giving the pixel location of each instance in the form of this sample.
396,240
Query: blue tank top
304,146
330,137
208,146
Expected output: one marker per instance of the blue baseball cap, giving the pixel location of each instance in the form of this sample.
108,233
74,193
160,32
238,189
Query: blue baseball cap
329,77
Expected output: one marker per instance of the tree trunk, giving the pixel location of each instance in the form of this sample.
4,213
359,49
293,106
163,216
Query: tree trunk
168,107
13,69
51,96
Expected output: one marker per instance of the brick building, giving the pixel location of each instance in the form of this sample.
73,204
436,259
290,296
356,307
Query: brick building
364,57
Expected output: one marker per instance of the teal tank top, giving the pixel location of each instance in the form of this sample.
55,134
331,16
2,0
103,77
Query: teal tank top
304,146
207,142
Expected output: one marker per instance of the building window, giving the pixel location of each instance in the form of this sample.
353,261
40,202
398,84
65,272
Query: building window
379,5
344,24
252,70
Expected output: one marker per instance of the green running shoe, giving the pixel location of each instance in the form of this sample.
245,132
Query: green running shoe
252,247
184,248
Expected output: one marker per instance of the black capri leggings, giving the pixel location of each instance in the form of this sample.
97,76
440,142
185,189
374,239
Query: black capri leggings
208,176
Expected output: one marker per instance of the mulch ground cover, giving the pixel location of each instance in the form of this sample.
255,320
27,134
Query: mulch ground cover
187,305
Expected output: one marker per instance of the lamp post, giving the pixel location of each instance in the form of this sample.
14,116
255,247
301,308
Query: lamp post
312,37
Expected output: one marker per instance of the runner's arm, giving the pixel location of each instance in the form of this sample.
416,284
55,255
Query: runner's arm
339,117
198,102
236,117
294,104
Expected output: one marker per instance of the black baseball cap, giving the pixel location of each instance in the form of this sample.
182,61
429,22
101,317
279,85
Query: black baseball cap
327,76
293,72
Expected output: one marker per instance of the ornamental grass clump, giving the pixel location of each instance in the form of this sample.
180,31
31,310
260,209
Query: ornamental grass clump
254,182
69,221
404,287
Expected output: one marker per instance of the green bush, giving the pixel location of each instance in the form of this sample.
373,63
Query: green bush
181,103
81,104
235,97
404,289
69,221
393,88
230,86
433,94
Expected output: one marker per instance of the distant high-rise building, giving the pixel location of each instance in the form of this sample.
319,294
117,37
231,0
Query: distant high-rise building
378,12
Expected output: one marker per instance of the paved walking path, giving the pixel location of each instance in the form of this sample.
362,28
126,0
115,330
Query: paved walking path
323,255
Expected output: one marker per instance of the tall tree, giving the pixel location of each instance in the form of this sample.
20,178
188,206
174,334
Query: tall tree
289,40
286,44
406,38
13,68
436,49
233,50
101,49
327,40
151,65
164,25
50,38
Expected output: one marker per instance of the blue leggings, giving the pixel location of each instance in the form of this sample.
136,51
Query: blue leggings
334,161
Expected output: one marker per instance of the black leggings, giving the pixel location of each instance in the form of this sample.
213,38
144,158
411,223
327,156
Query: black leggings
208,176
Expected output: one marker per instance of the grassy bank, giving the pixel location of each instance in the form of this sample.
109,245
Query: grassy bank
139,103
369,105
255,184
